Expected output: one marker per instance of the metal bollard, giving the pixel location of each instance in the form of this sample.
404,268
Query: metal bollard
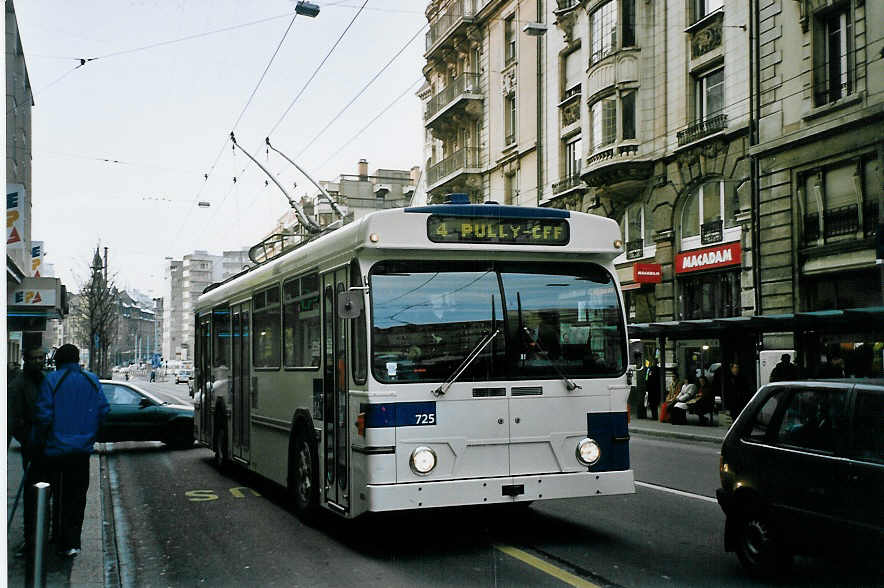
40,538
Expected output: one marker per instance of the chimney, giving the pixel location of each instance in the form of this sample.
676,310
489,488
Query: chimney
415,175
363,169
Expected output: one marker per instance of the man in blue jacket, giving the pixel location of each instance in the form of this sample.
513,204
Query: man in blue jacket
69,412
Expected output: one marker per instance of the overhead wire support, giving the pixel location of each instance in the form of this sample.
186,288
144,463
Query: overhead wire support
305,220
322,190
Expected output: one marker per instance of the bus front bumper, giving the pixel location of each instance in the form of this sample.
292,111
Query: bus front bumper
432,494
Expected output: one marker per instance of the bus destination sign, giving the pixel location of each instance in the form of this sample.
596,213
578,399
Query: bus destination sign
504,231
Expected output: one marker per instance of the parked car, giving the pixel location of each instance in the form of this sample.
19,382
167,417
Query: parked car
182,376
802,471
136,415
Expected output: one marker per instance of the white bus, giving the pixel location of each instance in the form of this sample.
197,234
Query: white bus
443,355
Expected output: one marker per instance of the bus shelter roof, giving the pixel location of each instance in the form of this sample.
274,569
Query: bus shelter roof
851,319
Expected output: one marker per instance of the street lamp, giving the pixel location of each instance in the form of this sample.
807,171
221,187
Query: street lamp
307,9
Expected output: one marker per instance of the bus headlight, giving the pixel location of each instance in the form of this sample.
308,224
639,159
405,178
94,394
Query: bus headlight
423,460
588,452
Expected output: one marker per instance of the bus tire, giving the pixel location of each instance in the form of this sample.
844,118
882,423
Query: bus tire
219,444
303,485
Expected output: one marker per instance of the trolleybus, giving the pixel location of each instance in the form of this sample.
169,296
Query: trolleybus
442,355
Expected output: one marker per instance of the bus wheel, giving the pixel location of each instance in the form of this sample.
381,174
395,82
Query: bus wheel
220,447
302,478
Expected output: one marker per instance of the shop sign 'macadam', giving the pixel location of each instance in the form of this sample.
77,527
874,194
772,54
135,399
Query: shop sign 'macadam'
712,257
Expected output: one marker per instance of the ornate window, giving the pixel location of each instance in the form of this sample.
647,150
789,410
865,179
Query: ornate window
636,232
510,114
603,117
603,31
709,215
509,39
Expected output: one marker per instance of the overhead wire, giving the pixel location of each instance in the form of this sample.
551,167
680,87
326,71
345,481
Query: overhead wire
316,71
361,91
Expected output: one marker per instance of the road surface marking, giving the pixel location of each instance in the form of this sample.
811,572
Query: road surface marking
677,492
546,567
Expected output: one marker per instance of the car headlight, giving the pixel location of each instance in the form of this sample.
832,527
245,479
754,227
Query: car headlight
423,460
588,452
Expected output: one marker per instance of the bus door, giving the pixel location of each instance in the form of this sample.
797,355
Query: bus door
240,380
202,389
335,404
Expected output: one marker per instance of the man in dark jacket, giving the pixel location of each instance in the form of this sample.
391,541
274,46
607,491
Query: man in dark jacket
23,392
653,386
69,412
784,371
736,390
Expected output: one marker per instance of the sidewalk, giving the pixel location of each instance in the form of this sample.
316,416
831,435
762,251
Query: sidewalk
87,569
693,431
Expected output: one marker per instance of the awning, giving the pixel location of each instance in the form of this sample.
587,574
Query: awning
847,320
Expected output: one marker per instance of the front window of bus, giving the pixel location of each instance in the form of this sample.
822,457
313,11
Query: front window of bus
428,316
564,316
560,319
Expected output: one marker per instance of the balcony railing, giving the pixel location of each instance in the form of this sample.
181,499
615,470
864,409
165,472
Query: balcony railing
465,83
842,220
455,13
566,184
711,232
468,157
702,128
635,248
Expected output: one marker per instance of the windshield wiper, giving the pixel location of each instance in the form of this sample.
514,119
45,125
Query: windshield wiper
471,356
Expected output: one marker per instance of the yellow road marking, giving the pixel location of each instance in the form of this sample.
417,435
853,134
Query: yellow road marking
546,567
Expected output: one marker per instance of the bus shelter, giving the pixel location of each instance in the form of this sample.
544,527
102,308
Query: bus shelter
857,334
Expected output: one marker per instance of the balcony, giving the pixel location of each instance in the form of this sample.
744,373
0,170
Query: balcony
568,185
451,169
702,128
453,21
462,95
841,221
620,169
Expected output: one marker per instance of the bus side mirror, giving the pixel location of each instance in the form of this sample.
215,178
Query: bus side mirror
350,304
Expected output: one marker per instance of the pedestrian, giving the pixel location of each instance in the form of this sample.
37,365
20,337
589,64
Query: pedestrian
68,415
736,390
653,385
678,410
21,400
784,371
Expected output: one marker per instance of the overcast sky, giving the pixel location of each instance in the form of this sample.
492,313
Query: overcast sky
164,113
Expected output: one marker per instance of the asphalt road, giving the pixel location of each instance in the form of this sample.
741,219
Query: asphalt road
184,523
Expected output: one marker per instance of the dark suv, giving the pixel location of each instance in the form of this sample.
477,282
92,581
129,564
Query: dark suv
802,471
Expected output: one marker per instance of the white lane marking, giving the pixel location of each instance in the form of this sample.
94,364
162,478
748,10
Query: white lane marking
677,492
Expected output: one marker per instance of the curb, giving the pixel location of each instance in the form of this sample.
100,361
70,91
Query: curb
677,435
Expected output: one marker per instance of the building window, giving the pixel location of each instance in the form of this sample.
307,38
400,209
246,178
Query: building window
832,56
509,38
509,124
603,30
635,231
628,27
627,112
511,187
708,211
703,8
842,202
573,71
603,119
710,295
573,156
709,95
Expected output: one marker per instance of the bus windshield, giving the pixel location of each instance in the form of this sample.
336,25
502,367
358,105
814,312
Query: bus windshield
556,319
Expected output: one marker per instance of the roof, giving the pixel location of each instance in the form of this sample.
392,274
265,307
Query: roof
851,319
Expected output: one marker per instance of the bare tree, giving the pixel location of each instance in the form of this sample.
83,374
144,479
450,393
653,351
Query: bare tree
96,316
